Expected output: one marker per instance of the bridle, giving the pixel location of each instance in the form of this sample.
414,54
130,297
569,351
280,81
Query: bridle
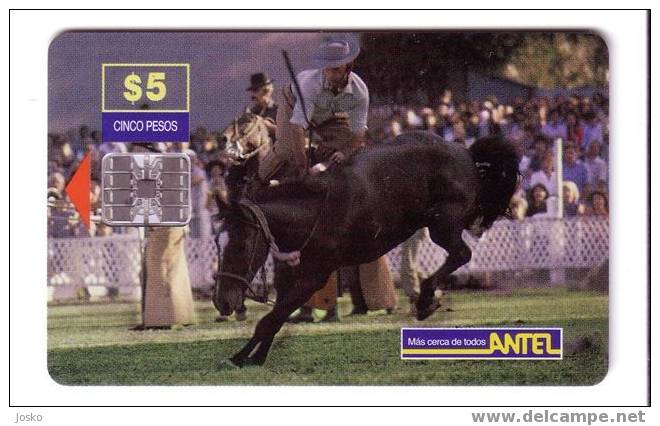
246,280
262,225
240,137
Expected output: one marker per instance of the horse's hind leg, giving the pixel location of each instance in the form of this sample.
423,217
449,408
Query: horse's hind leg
458,254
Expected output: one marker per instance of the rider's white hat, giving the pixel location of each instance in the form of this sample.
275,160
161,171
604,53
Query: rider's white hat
336,50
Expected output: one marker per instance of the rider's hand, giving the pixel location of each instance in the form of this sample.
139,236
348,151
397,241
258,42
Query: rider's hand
337,157
318,168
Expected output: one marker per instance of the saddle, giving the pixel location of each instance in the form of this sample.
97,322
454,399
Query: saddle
331,135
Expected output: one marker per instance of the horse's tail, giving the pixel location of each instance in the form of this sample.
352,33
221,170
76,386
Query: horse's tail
497,163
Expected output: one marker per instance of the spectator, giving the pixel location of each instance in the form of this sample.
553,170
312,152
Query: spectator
571,194
472,126
573,169
63,154
574,130
539,149
599,204
200,223
94,155
412,120
546,175
429,119
56,183
484,122
531,163
538,197
393,129
96,137
446,99
111,148
444,125
84,136
95,197
103,230
209,150
518,207
555,128
596,168
457,132
593,130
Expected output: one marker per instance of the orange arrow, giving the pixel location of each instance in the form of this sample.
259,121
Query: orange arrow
78,189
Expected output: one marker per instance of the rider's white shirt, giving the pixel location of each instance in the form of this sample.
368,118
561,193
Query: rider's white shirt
321,104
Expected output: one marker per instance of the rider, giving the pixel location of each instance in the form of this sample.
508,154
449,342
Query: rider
336,104
261,92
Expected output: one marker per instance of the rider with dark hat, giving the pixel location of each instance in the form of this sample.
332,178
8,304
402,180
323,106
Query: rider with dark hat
261,91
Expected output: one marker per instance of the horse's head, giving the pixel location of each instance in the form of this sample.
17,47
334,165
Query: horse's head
246,251
245,137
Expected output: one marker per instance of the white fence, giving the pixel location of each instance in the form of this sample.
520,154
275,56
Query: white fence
114,262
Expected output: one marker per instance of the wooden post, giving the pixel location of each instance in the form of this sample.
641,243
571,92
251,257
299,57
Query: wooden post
167,298
558,275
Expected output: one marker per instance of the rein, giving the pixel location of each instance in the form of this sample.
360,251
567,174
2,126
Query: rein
263,224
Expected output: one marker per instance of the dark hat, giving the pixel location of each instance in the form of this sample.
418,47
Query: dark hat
258,80
336,50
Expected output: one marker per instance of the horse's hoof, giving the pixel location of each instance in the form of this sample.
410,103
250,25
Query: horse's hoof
228,364
423,313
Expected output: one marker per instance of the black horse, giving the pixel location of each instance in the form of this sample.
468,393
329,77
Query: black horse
357,212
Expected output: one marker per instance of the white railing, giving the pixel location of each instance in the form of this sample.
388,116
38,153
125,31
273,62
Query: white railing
508,246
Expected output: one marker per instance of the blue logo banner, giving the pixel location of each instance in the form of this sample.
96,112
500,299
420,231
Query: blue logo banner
151,126
481,343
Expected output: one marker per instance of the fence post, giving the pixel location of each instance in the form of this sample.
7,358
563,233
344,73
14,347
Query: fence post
558,275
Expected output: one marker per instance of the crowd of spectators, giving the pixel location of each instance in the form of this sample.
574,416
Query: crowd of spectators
531,125
66,151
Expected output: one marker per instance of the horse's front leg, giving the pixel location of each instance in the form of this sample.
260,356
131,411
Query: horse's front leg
458,254
256,350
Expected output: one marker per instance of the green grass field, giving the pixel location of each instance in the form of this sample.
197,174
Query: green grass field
92,345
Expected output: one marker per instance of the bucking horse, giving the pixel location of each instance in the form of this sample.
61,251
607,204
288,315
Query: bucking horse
356,212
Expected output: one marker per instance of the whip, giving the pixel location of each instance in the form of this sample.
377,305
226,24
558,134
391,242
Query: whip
299,94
